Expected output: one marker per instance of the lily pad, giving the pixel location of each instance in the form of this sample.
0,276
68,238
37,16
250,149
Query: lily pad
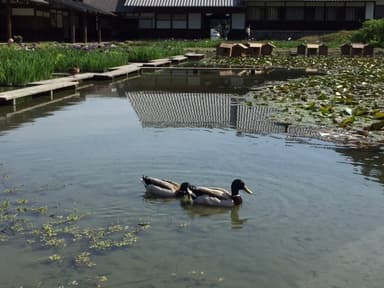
379,115
376,126
347,121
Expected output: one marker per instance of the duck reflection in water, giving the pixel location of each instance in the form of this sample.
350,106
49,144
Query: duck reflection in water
204,211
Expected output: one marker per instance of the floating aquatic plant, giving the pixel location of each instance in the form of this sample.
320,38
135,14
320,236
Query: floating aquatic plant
84,259
349,97
55,258
60,233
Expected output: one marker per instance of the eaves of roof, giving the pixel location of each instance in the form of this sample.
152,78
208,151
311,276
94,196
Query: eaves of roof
79,6
183,3
40,1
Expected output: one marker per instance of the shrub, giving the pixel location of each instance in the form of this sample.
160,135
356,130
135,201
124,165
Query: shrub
372,32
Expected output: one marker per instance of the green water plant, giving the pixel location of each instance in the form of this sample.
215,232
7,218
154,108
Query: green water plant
55,258
349,96
84,260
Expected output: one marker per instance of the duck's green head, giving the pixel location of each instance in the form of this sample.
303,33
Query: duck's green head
184,189
186,193
238,185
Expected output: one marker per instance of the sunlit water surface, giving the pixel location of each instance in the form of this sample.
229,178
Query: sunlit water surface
315,218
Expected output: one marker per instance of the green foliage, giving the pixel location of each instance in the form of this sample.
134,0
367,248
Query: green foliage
372,32
18,66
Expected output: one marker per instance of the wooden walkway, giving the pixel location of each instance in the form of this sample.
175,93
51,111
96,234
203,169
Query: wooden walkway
194,56
178,59
40,105
13,95
158,63
76,78
125,70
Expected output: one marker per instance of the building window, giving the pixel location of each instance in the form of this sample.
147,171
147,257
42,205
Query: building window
56,19
238,21
379,11
255,13
354,13
331,14
272,13
179,21
22,12
194,21
350,14
163,21
146,23
319,14
295,13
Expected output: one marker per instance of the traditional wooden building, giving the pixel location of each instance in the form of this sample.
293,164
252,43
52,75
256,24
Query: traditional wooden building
266,19
184,19
59,20
24,18
284,19
96,20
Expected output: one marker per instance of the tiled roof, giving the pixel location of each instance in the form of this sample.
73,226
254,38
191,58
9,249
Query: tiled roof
105,5
79,6
40,1
182,3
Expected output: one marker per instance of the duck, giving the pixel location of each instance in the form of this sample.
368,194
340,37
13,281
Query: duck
74,70
214,196
162,188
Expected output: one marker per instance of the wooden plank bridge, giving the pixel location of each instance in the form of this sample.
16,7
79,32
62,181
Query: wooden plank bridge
13,95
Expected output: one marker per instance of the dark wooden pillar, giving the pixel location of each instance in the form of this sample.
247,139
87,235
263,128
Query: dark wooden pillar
9,20
98,27
35,25
99,35
85,27
72,26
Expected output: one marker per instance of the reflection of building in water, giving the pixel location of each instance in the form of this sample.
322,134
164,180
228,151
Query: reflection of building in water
210,110
167,109
369,160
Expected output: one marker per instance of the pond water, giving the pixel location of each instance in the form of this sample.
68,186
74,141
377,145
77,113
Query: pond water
315,218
